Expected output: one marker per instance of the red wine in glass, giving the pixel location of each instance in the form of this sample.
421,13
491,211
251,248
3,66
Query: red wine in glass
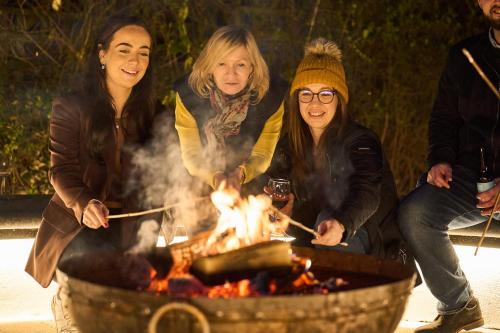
280,189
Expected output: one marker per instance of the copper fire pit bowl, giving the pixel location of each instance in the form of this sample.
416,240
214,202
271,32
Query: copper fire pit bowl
374,301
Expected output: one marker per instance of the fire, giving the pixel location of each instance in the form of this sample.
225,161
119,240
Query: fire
230,290
242,222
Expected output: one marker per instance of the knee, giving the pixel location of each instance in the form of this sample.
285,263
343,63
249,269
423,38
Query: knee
411,213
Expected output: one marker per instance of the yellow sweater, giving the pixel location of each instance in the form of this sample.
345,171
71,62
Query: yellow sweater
192,149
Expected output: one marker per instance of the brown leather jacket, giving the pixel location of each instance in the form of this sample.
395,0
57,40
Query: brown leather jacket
77,178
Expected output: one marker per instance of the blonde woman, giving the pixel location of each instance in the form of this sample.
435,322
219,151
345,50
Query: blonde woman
229,111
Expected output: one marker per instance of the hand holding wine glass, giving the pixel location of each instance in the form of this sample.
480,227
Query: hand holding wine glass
282,198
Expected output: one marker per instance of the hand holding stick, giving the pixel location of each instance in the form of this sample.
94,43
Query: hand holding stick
313,232
284,217
487,226
481,73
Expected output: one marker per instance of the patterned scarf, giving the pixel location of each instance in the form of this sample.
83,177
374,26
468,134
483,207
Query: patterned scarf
231,111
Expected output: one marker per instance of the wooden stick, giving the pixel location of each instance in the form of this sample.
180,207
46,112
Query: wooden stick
488,224
293,222
154,210
299,225
481,73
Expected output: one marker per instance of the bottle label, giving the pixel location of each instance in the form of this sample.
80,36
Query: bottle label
481,187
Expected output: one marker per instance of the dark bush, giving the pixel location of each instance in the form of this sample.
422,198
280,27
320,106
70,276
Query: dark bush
394,52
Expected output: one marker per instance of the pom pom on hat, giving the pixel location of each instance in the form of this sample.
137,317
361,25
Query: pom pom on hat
322,63
322,46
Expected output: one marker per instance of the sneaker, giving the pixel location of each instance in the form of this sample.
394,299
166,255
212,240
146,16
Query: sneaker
62,317
468,318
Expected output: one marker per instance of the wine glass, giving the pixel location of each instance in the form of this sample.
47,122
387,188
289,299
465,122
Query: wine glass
279,189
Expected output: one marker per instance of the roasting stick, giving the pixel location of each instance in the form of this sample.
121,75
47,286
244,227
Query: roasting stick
287,218
154,210
481,73
293,222
487,226
298,224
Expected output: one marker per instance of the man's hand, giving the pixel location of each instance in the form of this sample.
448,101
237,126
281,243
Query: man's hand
95,215
440,175
486,199
330,231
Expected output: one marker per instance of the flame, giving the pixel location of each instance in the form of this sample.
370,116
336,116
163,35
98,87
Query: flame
242,222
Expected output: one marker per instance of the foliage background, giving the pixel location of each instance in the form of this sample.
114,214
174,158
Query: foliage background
394,52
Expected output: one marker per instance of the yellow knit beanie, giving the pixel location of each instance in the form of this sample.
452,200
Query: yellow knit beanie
322,63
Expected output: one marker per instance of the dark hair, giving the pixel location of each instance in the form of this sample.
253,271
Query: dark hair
99,111
301,141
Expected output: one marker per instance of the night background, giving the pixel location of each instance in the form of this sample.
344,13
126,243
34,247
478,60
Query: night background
394,52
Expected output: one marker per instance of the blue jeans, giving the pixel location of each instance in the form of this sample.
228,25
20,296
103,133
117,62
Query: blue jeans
425,216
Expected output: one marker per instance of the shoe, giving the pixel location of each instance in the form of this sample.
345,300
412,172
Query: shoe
468,318
62,317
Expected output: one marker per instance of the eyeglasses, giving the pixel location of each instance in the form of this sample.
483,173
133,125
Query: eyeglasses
324,96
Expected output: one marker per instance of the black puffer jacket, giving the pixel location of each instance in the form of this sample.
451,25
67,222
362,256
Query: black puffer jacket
466,112
358,189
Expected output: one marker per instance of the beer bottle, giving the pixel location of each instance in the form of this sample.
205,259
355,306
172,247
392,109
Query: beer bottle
485,181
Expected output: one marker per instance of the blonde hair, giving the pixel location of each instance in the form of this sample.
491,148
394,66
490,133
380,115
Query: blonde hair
222,42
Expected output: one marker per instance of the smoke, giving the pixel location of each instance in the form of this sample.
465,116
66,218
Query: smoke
147,236
159,178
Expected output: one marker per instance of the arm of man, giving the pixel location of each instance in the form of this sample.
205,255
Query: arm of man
444,125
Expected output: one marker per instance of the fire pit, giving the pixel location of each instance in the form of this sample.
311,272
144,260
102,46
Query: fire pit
373,300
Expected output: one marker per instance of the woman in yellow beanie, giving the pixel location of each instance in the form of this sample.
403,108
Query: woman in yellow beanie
342,184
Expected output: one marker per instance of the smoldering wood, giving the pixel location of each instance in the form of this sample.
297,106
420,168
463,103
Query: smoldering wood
243,263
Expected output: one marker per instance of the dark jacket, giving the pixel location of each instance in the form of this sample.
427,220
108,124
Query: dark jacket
77,178
466,112
358,189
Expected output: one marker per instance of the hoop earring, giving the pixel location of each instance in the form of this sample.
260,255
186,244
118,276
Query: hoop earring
103,66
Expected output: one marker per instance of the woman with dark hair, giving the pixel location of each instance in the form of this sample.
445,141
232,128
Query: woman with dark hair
89,130
342,184
229,111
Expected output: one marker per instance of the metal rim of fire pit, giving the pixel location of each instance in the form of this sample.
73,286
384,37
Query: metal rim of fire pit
342,306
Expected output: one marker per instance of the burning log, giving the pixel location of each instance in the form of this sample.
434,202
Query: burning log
242,263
